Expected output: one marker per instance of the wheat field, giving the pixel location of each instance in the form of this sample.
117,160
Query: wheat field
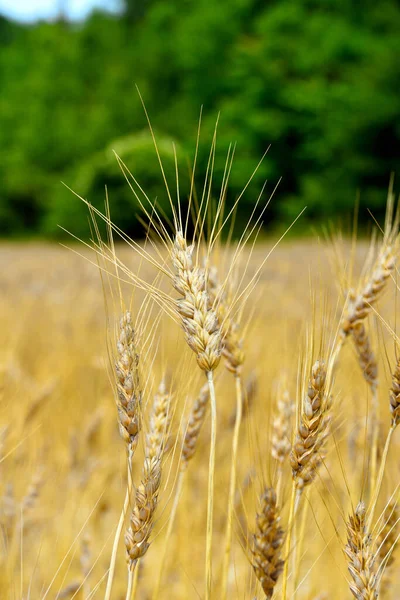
63,462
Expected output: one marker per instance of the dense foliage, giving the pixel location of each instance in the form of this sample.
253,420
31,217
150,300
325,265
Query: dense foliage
319,81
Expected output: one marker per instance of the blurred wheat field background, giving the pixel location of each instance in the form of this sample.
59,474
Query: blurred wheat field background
63,463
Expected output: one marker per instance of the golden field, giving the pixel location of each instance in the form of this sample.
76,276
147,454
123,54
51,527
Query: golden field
63,462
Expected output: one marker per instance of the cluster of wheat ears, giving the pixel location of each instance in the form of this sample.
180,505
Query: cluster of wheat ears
203,286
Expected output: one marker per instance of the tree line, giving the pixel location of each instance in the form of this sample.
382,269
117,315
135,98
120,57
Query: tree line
315,82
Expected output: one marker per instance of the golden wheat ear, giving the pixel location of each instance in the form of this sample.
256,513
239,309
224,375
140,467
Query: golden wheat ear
268,540
360,556
198,320
195,423
129,394
129,409
312,429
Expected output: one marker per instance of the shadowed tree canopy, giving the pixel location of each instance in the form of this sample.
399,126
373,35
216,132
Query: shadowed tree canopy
316,81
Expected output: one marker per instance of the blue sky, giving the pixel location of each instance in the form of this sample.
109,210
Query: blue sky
30,10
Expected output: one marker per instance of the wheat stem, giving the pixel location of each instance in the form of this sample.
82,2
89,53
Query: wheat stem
129,590
135,580
375,438
293,502
298,547
232,486
279,484
210,500
118,532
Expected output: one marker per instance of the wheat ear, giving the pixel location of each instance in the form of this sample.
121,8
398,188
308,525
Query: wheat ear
361,304
200,324
366,357
395,395
142,516
199,320
195,423
360,557
305,457
129,400
146,495
312,428
267,543
160,418
359,307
